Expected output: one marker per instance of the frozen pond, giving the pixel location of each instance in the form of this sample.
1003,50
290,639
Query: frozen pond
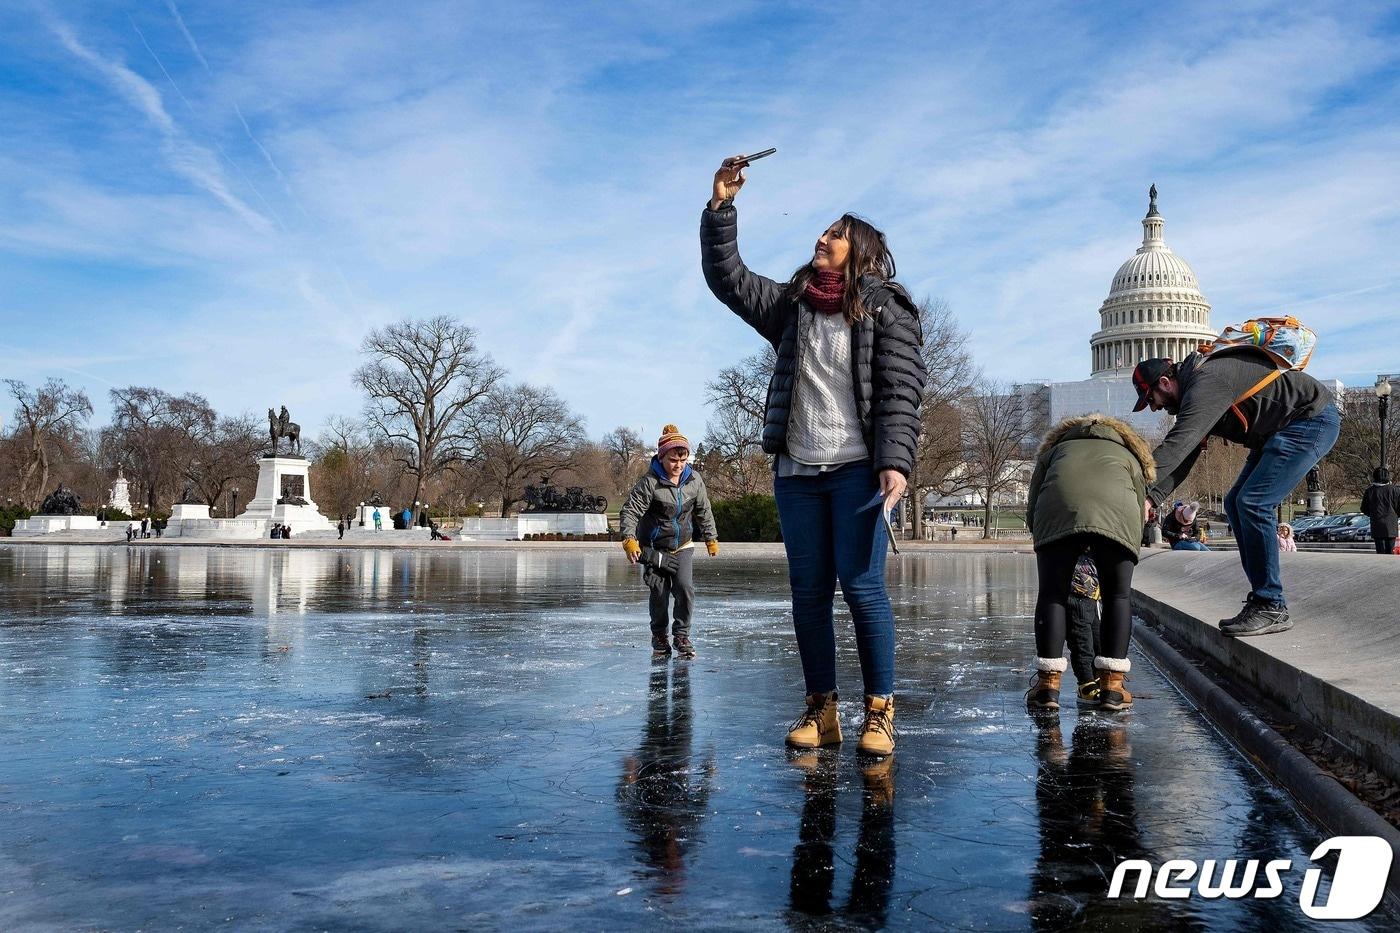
303,739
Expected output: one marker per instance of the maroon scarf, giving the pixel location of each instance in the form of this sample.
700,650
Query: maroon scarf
826,292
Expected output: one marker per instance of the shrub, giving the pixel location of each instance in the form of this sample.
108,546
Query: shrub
750,518
9,515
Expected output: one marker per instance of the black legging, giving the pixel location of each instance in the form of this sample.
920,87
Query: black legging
1055,566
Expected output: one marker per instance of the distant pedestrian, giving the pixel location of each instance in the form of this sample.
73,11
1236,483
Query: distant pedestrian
1086,494
662,509
1188,534
340,529
286,532
1288,421
841,417
378,521
130,531
1380,503
145,524
1285,538
433,533
276,531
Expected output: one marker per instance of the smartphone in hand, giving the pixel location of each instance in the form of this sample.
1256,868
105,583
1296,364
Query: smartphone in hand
740,161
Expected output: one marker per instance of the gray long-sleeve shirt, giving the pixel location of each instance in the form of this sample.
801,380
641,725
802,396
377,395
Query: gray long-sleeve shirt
1208,389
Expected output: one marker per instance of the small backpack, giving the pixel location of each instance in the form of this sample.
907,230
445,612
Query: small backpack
1285,340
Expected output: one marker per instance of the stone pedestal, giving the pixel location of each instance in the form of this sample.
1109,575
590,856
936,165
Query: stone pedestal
517,527
1316,504
188,510
49,524
284,478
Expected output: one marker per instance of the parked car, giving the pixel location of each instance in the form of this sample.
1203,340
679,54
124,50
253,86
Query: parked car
1318,531
1356,528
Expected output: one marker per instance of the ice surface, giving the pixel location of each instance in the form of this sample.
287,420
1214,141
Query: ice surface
274,739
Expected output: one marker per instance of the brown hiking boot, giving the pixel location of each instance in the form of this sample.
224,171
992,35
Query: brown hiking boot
877,733
1044,693
819,725
1113,694
685,649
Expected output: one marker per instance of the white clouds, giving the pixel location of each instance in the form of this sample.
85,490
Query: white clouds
196,163
540,173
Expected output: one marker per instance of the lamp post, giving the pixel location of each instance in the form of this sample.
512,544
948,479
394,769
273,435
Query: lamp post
1383,406
233,509
361,513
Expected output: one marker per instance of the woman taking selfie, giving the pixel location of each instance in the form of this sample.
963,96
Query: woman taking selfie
842,420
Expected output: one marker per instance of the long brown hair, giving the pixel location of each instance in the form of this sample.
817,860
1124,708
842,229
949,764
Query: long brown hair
869,255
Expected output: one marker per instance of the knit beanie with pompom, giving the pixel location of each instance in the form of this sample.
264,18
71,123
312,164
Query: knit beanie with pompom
671,438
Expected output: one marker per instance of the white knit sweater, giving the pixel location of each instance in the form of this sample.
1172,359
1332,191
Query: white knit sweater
824,428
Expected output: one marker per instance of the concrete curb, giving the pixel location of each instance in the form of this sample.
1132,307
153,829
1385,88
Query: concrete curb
1325,801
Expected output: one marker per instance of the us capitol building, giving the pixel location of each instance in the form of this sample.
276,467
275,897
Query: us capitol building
1154,308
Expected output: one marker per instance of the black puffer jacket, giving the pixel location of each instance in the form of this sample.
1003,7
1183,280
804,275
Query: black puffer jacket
886,366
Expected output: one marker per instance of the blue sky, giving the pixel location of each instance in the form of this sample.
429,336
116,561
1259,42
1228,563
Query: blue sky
224,197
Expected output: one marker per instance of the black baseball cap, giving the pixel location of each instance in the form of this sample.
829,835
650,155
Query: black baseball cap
1145,376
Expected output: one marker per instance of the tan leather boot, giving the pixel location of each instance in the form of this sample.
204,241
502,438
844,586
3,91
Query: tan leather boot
877,733
1113,694
819,725
1044,693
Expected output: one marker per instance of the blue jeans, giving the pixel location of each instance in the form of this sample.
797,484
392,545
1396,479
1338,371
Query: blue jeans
828,540
1269,475
1189,546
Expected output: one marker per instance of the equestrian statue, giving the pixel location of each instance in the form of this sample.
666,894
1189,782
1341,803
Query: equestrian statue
281,425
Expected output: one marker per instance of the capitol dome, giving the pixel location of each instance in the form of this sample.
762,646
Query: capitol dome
1154,306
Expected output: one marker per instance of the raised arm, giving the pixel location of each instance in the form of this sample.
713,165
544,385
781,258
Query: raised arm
755,298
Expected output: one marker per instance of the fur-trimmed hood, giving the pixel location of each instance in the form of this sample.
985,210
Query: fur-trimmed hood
1130,438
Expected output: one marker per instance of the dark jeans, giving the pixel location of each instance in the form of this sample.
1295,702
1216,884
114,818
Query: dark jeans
1384,545
1055,569
1082,633
827,540
1269,475
666,587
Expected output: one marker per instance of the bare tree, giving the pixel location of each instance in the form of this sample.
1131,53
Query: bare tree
43,417
159,437
522,431
734,435
226,450
951,375
422,378
627,457
998,422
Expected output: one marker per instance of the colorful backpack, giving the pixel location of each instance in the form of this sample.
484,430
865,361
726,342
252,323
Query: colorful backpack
1285,340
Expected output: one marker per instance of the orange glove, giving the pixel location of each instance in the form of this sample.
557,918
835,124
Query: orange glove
713,547
632,549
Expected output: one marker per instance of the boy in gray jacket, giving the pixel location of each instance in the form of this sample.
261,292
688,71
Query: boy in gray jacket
657,523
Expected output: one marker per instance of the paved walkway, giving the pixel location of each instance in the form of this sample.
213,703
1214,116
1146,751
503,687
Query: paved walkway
1338,669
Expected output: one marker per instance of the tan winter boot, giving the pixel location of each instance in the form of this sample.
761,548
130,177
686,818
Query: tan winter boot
819,725
1113,695
877,733
1044,693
